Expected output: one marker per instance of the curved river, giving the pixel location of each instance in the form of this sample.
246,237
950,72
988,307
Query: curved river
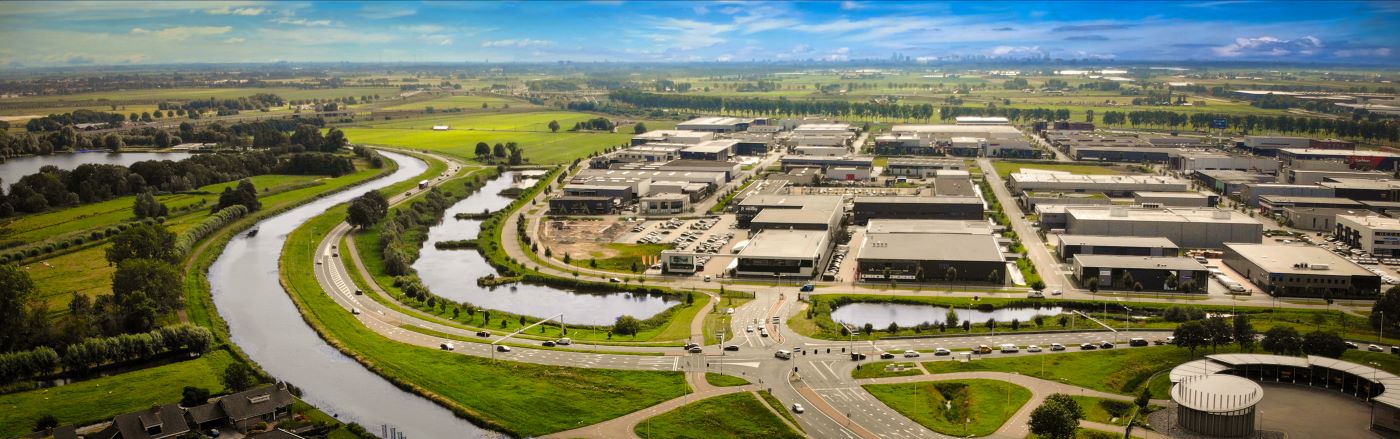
265,323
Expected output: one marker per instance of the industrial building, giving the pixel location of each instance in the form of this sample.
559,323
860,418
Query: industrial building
982,120
712,150
921,167
1124,154
1029,200
1212,160
796,254
1250,193
1175,199
664,204
715,124
1271,145
1373,160
582,205
971,227
917,207
816,213
1071,245
1112,185
1363,190
1154,273
684,137
1228,182
1301,271
1312,176
965,140
1375,235
1187,227
753,205
1317,219
919,257
823,163
1274,204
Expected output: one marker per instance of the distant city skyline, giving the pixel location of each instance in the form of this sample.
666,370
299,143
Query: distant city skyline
46,34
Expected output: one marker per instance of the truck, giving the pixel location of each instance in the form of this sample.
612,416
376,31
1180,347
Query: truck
423,184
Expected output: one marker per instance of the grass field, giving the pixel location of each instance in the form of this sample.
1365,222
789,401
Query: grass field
524,399
737,415
540,147
100,399
157,95
468,102
984,404
879,369
1005,168
621,257
1123,371
1084,433
722,380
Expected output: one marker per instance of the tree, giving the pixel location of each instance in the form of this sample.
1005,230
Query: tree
143,241
1056,418
367,210
627,325
951,275
1282,340
16,290
194,396
499,150
1324,344
113,142
1191,335
1093,284
46,422
893,328
1038,285
1218,332
482,150
517,156
1387,307
1244,333
1143,399
238,377
1127,279
244,194
158,280
554,126
146,206
639,128
951,319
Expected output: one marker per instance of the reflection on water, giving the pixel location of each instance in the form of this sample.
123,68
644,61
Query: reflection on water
881,314
17,167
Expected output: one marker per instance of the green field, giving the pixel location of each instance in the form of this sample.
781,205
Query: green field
721,380
620,257
1096,409
100,399
736,415
878,370
979,407
540,147
467,102
522,398
1123,371
1005,168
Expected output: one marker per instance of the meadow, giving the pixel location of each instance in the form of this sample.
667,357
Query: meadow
468,102
540,147
733,415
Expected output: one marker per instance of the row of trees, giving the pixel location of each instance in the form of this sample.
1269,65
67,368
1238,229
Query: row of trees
772,107
98,351
512,152
1279,340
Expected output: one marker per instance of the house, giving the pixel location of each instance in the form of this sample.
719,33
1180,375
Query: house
165,421
245,409
59,432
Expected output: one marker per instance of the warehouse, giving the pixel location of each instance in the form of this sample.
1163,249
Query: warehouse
1175,199
1377,160
1208,160
1187,227
1071,245
921,167
753,205
582,205
685,137
947,132
821,162
1274,204
917,207
970,227
1112,185
1363,190
1317,219
954,183
796,254
818,213
622,193
1375,235
906,144
715,124
1269,145
1029,200
1229,182
1129,154
1312,176
1020,149
1250,193
1301,271
1153,273
919,257
712,150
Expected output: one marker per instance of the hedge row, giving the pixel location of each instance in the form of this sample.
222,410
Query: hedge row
97,351
185,242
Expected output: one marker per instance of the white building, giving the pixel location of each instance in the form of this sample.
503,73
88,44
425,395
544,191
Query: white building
1376,235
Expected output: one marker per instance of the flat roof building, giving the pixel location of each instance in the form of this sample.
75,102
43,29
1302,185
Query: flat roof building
1275,204
889,226
1175,199
1071,245
753,205
672,136
921,257
1376,235
1154,273
582,205
921,167
1108,184
824,162
1229,182
1251,193
1300,270
982,120
1317,219
917,207
1363,190
1312,176
715,124
1379,160
713,150
797,254
1213,160
1187,227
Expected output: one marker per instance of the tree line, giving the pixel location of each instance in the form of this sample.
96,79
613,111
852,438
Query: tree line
772,107
97,351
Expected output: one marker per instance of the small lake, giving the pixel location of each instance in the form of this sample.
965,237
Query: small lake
453,273
881,314
17,167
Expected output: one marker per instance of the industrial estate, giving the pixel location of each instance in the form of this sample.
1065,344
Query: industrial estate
896,247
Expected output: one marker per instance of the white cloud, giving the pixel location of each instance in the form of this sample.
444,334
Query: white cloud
424,28
842,54
301,21
700,10
522,42
1014,51
183,32
235,40
228,10
378,11
851,6
687,34
1269,46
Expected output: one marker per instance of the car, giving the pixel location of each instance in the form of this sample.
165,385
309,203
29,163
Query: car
763,332
502,348
1137,342
547,343
807,288
982,349
213,432
911,354
748,328
1035,295
1374,348
356,312
564,341
483,334
359,292
941,352
1105,345
1171,339
1088,347
1351,345
731,348
856,356
1056,293
614,280
689,345
784,354
447,346
1010,348
335,255
708,278
886,356
696,350
797,408
1057,347
1032,348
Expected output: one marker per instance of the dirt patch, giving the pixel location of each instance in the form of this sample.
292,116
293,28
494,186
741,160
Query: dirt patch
584,238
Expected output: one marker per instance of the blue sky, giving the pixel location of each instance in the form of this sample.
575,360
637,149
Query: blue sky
105,32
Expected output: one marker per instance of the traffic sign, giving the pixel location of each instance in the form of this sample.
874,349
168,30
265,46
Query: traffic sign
1221,123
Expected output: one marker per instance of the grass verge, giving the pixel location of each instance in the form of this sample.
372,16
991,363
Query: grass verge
961,407
886,369
732,415
722,380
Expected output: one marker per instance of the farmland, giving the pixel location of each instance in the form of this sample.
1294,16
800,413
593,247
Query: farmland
467,102
530,130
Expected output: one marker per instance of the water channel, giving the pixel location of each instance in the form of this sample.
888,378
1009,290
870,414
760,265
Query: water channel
453,273
265,323
17,167
881,314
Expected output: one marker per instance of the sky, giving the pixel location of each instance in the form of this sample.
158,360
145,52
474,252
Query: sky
53,33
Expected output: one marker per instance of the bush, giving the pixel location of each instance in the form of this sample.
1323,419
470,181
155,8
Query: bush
1116,408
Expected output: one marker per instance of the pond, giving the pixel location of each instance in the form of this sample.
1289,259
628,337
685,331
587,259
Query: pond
881,314
17,167
453,273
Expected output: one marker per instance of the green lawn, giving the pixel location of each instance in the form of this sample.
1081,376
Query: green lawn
737,415
521,398
1006,168
1084,433
100,399
881,369
1097,409
540,147
1123,370
621,257
722,380
467,102
983,404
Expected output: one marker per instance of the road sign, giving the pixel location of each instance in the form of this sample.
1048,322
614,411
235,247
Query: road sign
1220,123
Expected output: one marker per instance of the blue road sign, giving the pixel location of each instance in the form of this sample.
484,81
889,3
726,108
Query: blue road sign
1219,123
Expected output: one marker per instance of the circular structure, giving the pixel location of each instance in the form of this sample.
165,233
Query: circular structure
1217,405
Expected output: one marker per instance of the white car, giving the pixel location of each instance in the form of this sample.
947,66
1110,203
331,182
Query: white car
748,328
941,351
1057,347
1032,348
797,408
911,354
1056,293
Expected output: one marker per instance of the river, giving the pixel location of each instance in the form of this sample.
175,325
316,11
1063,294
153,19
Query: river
265,323
453,273
17,167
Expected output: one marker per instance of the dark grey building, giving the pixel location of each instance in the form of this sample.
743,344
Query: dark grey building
919,207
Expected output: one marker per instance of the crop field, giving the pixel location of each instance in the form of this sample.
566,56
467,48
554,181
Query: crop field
540,147
511,121
466,102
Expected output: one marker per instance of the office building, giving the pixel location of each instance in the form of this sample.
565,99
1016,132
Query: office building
1317,219
1363,160
1175,199
1113,185
1301,271
917,207
1153,273
921,167
1363,190
715,124
937,257
1071,245
684,137
1375,235
794,254
1250,193
1187,227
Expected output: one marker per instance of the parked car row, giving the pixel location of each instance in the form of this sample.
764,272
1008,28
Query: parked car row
837,257
714,243
704,224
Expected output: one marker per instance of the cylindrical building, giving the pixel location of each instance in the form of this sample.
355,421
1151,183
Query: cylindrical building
1217,405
